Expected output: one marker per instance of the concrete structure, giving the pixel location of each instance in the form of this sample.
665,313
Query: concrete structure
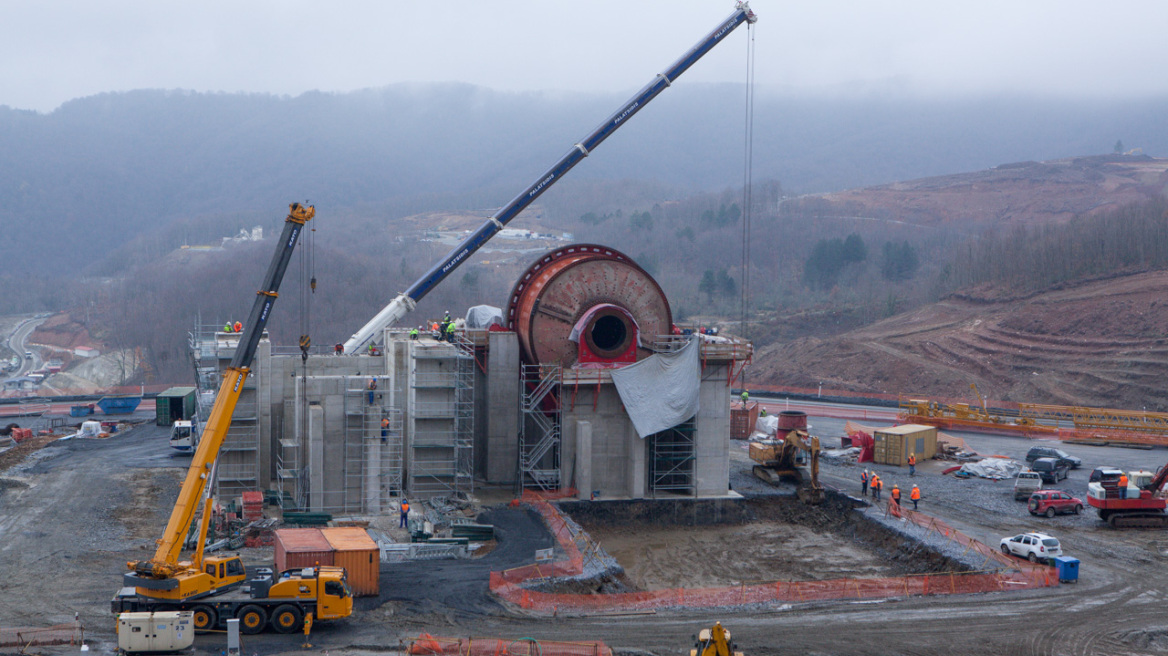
454,414
348,434
601,454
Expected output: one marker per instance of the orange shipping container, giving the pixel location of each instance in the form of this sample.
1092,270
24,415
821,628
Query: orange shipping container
301,547
354,550
742,420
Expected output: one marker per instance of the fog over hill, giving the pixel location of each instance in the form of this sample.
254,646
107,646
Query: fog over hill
97,172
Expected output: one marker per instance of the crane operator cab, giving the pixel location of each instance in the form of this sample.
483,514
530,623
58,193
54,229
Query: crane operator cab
218,574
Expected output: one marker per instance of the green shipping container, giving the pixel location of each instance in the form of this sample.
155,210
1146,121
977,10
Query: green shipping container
176,403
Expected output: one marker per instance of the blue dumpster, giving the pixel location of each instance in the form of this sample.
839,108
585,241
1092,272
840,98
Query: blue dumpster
1068,569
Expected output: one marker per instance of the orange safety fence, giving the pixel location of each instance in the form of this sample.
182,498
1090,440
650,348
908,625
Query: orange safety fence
60,634
998,573
1111,436
428,645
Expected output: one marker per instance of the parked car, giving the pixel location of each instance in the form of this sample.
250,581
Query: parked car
1027,483
1101,474
1053,502
1032,546
1067,459
1051,470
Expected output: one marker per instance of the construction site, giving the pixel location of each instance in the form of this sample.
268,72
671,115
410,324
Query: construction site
575,473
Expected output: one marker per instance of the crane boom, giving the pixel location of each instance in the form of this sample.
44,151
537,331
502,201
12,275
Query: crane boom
165,562
405,302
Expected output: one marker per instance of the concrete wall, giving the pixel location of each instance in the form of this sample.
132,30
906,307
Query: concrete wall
298,397
500,416
618,461
618,454
712,437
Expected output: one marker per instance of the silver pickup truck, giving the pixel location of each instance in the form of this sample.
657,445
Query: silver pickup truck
1027,483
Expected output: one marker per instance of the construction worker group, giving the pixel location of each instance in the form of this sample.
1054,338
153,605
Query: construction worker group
443,330
871,480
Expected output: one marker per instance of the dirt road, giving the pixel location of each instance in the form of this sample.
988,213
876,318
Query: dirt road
72,514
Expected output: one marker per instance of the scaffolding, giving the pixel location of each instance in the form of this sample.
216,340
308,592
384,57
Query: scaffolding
672,460
238,463
539,436
204,352
373,448
440,418
291,476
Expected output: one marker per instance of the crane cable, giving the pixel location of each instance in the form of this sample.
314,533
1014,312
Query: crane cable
747,177
307,275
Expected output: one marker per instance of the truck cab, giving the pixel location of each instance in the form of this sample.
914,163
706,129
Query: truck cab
184,435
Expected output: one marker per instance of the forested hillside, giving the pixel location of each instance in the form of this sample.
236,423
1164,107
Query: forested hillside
100,171
98,199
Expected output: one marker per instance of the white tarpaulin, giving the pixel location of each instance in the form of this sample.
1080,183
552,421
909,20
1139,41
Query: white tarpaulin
998,468
768,424
661,391
481,317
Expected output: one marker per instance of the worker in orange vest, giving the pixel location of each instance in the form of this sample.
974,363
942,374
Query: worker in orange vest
912,464
238,327
864,482
405,513
384,428
915,495
1123,486
896,493
876,484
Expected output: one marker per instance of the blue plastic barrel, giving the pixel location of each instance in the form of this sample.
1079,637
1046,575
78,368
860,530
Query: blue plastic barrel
1068,569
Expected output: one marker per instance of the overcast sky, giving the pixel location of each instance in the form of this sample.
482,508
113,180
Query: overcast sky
55,51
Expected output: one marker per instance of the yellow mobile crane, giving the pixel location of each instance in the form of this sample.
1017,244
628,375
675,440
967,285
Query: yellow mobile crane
217,588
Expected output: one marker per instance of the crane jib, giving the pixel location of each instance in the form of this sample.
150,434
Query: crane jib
471,244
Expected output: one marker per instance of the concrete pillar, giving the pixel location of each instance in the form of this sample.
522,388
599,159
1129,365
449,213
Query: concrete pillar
315,457
583,460
712,436
263,374
637,466
373,477
502,457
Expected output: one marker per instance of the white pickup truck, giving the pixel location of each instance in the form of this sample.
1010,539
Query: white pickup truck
1027,483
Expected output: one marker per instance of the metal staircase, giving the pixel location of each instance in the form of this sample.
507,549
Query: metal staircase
539,438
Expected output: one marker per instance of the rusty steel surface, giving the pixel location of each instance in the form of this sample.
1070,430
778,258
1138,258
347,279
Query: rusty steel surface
561,287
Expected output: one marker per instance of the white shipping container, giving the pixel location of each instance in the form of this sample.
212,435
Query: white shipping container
157,632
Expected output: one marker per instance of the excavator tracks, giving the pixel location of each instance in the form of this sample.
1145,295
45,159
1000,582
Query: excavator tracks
1149,520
